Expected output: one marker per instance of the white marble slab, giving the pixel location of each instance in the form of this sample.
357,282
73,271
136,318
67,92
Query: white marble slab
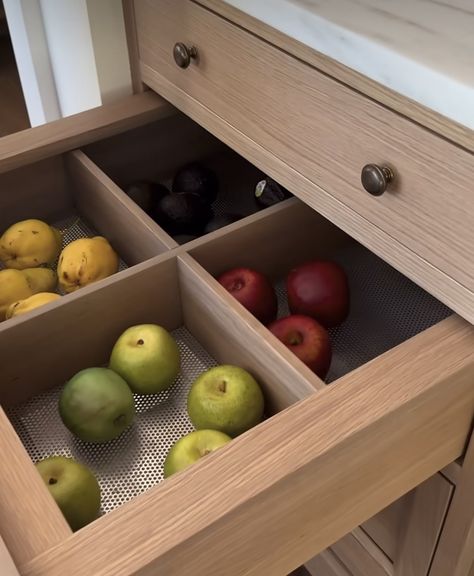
423,49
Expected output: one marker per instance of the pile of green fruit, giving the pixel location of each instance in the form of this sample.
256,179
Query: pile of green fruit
185,211
97,405
28,252
223,402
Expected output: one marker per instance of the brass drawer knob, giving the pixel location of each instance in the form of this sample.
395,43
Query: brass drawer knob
183,55
375,179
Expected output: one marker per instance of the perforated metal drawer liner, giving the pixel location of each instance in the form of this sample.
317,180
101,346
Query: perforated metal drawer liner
386,309
132,463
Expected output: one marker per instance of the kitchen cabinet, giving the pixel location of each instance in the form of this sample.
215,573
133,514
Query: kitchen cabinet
361,474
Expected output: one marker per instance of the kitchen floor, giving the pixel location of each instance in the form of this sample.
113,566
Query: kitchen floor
13,114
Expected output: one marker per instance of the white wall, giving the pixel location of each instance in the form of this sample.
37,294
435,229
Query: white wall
110,48
33,62
71,54
68,34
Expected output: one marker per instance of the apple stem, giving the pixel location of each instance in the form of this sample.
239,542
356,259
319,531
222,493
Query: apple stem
140,342
295,338
52,481
223,386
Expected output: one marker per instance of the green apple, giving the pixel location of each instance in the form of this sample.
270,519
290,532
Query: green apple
191,448
74,488
96,405
147,357
225,398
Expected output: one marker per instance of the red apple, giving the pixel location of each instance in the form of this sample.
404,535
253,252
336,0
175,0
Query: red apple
307,339
253,290
319,289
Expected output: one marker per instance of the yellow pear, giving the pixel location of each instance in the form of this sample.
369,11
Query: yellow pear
30,243
13,286
30,303
40,279
85,261
20,284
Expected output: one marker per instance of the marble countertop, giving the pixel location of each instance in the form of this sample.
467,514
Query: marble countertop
423,49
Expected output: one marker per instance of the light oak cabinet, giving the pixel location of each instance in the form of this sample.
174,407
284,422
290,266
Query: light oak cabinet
343,476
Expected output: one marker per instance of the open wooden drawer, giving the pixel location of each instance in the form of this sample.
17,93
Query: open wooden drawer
326,459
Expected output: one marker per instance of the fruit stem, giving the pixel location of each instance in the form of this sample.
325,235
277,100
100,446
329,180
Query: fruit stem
295,338
52,481
222,386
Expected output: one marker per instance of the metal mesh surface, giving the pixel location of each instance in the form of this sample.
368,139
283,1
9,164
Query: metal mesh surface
132,463
386,309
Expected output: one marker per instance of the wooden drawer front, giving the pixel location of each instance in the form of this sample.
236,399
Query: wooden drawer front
321,128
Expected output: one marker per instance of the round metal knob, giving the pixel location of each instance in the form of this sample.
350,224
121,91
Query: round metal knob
375,179
183,55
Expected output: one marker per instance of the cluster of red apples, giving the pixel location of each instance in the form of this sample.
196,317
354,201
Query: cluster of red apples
318,298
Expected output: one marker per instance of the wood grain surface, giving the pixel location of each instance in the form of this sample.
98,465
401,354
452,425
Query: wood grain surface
323,129
449,129
343,454
68,133
30,521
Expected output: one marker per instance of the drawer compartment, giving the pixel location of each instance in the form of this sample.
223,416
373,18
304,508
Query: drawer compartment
324,131
66,192
386,308
133,463
156,152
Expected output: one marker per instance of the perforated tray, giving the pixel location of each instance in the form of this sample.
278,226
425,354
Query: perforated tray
132,463
386,309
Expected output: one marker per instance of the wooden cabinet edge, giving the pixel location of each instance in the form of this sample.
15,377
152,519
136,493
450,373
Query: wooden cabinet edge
74,131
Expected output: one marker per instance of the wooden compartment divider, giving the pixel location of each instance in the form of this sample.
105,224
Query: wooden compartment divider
31,523
276,364
51,199
108,208
329,461
87,323
289,229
